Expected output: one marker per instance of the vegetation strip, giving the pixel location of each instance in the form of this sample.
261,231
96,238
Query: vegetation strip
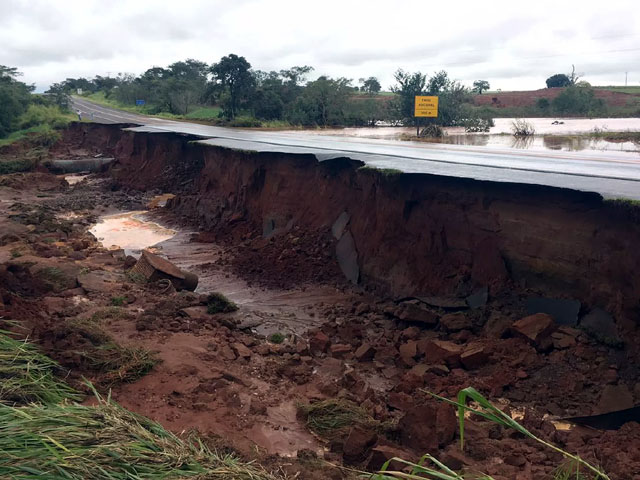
26,375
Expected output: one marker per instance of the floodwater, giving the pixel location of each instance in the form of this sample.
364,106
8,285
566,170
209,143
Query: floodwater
549,136
130,232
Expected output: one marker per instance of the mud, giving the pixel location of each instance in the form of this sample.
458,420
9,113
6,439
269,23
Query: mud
259,230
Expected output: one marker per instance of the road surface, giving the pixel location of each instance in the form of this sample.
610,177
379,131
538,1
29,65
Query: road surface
612,174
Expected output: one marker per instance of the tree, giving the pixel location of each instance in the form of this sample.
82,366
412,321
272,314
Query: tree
578,101
296,75
573,76
371,85
408,85
60,95
235,80
480,86
558,80
322,102
15,97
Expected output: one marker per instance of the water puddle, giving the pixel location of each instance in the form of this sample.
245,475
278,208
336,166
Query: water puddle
130,232
75,178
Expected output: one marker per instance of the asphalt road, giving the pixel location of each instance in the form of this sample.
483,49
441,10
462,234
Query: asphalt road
612,174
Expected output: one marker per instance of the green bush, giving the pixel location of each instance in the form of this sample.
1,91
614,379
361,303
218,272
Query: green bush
50,115
245,121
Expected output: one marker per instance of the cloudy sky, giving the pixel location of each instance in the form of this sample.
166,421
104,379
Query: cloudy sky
513,45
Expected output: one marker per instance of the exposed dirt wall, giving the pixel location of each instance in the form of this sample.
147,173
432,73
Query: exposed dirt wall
413,234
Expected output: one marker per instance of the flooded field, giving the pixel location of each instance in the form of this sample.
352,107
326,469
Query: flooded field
563,136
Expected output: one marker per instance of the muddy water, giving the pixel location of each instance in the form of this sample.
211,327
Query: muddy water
561,136
264,311
130,232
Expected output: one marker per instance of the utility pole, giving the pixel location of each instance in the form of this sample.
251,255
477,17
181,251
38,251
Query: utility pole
625,78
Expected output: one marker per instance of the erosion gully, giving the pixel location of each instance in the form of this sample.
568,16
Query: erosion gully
381,287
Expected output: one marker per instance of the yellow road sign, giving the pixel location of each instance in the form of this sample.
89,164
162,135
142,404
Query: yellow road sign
426,106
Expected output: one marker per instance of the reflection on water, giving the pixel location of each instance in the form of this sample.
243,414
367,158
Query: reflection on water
540,142
129,232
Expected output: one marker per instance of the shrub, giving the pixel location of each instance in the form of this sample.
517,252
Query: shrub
247,122
218,303
522,128
50,115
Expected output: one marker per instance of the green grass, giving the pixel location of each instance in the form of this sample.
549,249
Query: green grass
54,438
105,441
218,303
204,113
55,278
276,338
386,172
26,375
634,90
39,135
117,301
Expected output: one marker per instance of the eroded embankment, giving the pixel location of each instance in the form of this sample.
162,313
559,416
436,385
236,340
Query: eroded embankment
412,234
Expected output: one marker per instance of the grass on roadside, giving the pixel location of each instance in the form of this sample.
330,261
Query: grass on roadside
26,375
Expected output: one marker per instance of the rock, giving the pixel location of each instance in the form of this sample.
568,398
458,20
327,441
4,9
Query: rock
474,357
410,333
338,227
427,427
564,337
400,401
438,351
77,256
358,444
601,326
382,454
340,349
100,281
478,298
536,329
54,304
408,351
347,257
413,313
129,262
319,343
497,325
241,350
152,267
447,303
613,398
454,322
563,311
365,352
195,313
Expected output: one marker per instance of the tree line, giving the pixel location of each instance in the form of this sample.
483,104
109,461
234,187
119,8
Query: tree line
242,92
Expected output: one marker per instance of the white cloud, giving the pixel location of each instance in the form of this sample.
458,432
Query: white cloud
511,45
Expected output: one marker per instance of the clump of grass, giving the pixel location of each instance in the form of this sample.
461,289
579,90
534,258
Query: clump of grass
26,375
387,172
276,338
135,277
117,301
55,278
218,303
99,353
78,442
333,417
16,253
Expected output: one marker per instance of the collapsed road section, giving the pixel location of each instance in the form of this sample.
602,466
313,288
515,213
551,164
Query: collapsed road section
332,300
